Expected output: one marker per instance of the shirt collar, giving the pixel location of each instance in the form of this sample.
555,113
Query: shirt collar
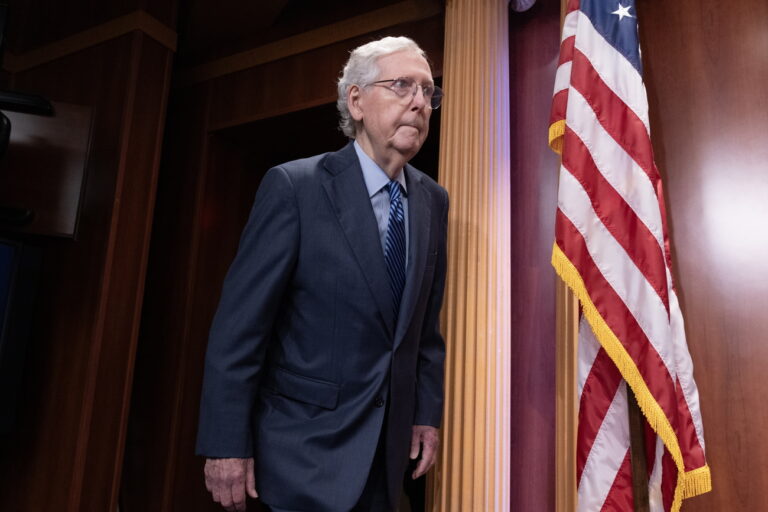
374,176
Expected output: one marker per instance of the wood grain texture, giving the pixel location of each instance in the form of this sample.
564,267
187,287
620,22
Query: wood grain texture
534,47
114,28
307,80
79,364
36,23
408,11
706,66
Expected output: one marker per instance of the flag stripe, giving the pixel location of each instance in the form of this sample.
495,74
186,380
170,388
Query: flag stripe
606,455
655,501
619,75
689,442
559,103
617,217
601,385
563,78
685,370
638,299
617,118
614,311
621,497
615,165
668,485
566,55
588,347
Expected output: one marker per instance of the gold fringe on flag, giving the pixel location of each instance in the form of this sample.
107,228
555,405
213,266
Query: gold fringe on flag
556,133
692,483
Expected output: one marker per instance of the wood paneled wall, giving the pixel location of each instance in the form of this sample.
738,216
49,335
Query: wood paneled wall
706,66
67,452
34,23
222,135
533,48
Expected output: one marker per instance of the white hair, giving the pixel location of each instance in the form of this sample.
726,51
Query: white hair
362,69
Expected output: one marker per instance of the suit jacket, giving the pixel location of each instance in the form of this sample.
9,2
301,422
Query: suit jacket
306,354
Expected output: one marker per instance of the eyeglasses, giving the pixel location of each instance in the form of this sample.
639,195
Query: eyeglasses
406,85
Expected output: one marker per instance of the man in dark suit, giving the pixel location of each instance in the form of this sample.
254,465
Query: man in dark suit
324,369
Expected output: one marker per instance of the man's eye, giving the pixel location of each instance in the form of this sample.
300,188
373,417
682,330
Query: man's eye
402,84
428,90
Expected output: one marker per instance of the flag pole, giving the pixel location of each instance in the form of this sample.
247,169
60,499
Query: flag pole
566,410
637,454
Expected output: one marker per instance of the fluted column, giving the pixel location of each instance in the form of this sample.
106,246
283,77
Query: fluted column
473,473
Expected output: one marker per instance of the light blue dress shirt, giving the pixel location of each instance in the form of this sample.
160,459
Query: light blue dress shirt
375,181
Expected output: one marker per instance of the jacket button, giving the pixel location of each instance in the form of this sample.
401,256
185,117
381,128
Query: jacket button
379,402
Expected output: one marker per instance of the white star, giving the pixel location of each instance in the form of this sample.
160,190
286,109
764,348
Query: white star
623,11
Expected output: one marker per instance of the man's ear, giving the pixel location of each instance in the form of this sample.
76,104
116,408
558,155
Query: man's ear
354,102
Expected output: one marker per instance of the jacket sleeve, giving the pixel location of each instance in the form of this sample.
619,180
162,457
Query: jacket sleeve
430,371
251,295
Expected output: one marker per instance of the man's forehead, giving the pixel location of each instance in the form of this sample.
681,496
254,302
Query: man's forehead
404,61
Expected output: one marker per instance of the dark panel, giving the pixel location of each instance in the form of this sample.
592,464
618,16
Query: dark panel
212,30
305,80
533,45
230,186
130,235
44,167
67,452
35,23
705,71
152,445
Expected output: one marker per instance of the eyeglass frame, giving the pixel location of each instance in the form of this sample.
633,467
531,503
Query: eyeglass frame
437,93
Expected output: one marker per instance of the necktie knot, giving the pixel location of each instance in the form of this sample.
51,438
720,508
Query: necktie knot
393,188
395,200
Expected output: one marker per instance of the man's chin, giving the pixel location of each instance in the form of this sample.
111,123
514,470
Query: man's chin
408,147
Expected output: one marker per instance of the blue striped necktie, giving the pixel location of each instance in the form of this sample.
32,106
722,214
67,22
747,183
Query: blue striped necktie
394,247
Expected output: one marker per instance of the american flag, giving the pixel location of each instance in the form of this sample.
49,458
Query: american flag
612,249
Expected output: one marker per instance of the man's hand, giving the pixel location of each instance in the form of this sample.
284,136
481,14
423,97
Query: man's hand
424,439
228,480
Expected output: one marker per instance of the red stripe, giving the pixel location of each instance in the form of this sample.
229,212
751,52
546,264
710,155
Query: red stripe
597,395
573,5
620,496
686,434
566,50
617,216
616,117
616,314
623,125
668,480
559,104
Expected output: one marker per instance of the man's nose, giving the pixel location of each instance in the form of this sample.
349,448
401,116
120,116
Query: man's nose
419,100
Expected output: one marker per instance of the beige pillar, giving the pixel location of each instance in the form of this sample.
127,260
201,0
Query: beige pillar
473,473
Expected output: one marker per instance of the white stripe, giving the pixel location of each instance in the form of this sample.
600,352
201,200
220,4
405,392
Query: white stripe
569,24
563,77
616,166
617,267
684,366
587,352
607,454
655,499
615,70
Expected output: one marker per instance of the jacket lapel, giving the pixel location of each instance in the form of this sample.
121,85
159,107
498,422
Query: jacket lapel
419,213
349,197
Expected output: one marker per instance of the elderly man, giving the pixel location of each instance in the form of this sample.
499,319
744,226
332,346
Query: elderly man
324,369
